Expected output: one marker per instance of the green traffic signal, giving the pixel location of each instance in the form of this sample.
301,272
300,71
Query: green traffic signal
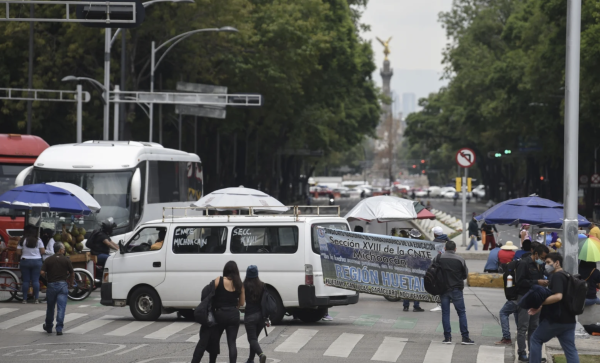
507,152
497,155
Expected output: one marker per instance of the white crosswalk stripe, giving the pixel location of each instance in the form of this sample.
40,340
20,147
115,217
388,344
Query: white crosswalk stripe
94,324
296,341
439,353
390,349
4,311
22,319
343,345
129,328
68,318
487,354
242,341
168,330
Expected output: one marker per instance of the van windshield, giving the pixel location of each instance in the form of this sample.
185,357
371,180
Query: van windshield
315,238
109,188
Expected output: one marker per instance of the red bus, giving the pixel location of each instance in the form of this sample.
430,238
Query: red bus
17,152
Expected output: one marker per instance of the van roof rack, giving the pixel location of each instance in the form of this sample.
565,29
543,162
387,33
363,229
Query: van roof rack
294,211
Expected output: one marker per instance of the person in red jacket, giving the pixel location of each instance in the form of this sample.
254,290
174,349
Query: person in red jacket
507,252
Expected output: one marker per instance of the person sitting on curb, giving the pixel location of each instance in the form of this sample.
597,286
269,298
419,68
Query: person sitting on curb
492,264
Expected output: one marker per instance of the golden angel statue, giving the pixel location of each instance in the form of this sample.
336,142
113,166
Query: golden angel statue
386,46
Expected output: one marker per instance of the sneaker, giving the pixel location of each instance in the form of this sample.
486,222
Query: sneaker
523,358
327,318
504,341
262,358
467,341
447,341
47,331
36,302
405,308
250,361
58,333
24,302
437,308
418,310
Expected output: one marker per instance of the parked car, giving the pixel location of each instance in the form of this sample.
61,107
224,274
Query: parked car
479,191
446,190
344,192
434,191
421,193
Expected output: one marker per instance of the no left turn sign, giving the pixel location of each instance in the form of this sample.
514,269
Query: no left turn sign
465,157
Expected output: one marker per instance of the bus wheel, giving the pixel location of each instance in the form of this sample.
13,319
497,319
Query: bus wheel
145,304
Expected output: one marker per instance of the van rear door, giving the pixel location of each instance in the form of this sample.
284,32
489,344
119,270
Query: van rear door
314,258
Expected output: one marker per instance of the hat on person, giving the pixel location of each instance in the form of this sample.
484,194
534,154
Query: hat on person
509,246
437,230
252,272
525,224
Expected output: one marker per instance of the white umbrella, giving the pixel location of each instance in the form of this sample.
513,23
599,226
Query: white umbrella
240,198
383,208
80,193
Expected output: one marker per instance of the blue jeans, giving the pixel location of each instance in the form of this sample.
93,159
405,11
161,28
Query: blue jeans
548,330
56,295
589,302
416,304
510,307
456,297
30,271
472,243
101,259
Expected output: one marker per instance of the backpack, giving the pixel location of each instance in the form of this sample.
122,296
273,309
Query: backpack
510,269
91,241
575,294
435,280
268,304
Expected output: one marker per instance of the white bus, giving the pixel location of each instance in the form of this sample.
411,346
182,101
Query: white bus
131,180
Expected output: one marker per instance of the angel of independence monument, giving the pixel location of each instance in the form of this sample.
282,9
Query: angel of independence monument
388,129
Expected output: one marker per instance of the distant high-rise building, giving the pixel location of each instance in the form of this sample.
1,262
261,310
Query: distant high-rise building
409,103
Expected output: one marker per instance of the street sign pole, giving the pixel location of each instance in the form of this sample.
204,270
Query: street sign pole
464,207
79,113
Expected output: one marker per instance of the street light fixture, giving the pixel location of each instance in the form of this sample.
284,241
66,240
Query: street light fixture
80,99
176,39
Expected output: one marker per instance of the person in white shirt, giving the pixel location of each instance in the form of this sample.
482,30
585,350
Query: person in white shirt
48,240
30,249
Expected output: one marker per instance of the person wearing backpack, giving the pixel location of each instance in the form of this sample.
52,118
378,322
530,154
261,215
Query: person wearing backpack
529,272
253,317
456,271
561,326
100,243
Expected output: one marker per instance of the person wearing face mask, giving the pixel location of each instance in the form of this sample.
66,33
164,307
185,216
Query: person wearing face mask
530,271
560,325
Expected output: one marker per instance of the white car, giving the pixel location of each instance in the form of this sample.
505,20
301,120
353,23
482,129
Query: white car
368,191
450,195
447,190
421,193
479,191
434,191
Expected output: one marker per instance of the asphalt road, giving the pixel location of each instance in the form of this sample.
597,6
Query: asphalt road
372,330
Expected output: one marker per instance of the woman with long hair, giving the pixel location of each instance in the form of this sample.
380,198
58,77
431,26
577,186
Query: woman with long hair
229,296
30,249
253,319
589,273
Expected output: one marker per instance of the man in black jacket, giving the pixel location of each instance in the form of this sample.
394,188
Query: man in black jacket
530,271
455,270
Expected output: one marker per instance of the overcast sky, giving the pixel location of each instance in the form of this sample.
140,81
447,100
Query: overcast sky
416,46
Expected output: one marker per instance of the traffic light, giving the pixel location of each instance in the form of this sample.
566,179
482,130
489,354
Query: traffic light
414,166
541,178
98,10
422,161
497,155
458,184
507,152
422,171
469,184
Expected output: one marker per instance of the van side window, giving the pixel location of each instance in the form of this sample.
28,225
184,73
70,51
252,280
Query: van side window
199,240
264,239
147,239
315,239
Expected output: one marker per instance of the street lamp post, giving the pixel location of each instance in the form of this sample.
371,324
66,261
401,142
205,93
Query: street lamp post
80,100
176,39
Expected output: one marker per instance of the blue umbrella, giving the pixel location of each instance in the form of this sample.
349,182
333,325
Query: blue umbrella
533,210
43,197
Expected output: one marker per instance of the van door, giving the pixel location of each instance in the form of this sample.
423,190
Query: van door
143,261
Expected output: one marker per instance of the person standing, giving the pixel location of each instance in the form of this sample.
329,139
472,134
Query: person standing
529,272
455,197
455,269
594,230
31,249
490,240
49,242
560,325
207,342
589,272
524,233
58,270
253,319
525,249
229,296
473,233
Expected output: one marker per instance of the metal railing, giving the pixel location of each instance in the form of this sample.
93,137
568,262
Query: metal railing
26,94
295,211
181,98
68,10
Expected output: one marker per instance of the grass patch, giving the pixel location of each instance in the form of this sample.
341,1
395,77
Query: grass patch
560,358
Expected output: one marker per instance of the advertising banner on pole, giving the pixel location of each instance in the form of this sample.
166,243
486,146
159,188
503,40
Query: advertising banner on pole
377,264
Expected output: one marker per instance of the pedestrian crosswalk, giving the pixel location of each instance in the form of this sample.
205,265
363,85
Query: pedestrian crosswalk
282,341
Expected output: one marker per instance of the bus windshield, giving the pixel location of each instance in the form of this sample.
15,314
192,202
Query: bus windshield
8,174
109,188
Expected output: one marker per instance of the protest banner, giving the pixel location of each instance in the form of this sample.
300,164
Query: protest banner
377,264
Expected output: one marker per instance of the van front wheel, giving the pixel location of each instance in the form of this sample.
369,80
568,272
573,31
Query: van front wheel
145,304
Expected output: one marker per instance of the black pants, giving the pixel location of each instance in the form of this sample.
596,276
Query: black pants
208,343
254,324
228,319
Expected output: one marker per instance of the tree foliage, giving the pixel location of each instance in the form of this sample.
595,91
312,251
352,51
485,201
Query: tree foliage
304,57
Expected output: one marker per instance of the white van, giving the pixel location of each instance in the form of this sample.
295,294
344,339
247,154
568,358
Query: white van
195,250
